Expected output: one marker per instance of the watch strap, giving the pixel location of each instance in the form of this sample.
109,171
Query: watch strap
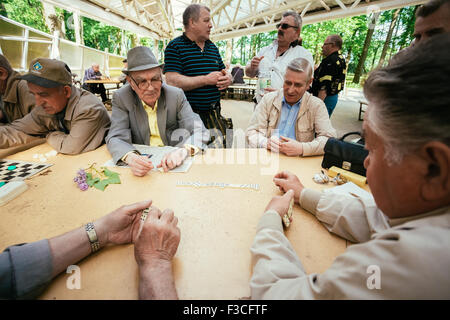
92,236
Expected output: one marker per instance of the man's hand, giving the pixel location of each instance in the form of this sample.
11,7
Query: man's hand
212,78
273,144
159,238
138,164
322,94
281,203
254,64
290,147
154,250
121,226
266,90
173,159
286,181
224,81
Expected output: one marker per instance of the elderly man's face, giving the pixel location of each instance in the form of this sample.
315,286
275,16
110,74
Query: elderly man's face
202,27
96,67
328,47
436,23
52,100
290,34
147,84
294,86
393,186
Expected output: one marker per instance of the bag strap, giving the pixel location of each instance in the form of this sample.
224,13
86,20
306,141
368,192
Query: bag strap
350,133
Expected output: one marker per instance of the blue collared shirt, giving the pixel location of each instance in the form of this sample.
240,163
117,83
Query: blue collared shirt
286,126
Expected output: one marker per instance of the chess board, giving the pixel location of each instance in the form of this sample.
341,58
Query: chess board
14,170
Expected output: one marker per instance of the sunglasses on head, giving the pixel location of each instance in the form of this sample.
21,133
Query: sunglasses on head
284,26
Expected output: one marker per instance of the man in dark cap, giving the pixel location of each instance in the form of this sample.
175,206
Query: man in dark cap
15,99
147,111
72,120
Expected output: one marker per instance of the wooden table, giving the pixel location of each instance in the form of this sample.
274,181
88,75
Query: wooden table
106,81
217,225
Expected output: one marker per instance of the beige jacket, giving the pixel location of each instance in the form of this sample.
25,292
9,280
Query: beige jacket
17,100
405,258
85,118
312,120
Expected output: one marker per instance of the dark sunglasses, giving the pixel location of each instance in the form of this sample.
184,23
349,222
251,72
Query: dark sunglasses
284,26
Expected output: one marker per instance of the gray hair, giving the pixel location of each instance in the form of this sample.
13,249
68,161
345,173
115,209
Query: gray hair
431,7
336,40
4,63
296,16
192,12
409,99
301,65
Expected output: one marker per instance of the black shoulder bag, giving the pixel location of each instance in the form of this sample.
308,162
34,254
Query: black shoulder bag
346,155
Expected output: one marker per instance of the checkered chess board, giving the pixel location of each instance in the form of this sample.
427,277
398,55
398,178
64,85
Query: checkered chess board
13,170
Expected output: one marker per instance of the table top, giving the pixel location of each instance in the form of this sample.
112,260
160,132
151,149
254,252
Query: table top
217,225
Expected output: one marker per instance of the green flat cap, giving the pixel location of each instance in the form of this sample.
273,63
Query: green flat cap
48,73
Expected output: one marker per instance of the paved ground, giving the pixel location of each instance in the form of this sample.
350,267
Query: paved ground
344,118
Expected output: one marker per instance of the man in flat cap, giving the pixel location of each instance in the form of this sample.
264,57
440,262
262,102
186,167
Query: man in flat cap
147,111
15,99
72,120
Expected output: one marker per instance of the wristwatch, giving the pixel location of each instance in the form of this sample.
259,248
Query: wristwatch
92,235
192,150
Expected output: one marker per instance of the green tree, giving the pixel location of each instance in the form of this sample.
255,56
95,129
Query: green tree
27,12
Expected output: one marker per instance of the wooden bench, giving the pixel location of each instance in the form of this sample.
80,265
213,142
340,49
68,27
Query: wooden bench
361,110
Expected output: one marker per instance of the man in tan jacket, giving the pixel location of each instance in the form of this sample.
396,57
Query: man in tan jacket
15,99
404,230
72,120
291,120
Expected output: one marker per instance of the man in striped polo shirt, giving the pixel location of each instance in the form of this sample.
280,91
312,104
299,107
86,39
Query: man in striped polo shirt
193,63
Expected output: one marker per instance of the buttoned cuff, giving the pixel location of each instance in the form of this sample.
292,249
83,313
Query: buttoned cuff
271,220
309,199
127,154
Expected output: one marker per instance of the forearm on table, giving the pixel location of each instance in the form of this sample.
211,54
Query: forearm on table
184,82
71,247
156,281
10,137
277,270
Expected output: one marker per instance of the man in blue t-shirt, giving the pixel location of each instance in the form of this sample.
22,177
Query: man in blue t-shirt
193,63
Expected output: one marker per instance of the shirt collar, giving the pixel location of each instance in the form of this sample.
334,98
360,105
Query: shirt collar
295,104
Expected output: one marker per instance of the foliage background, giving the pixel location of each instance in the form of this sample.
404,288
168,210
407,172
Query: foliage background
353,30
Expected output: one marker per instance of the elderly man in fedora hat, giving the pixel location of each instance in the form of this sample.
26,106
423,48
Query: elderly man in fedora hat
148,111
72,120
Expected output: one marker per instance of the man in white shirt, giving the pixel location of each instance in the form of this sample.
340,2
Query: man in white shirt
272,60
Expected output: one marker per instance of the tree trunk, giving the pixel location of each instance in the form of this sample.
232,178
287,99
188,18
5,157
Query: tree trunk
389,37
365,50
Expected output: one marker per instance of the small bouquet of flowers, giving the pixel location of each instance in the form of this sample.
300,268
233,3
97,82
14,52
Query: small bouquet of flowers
93,177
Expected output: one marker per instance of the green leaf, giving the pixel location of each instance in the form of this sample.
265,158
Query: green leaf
101,185
113,179
90,181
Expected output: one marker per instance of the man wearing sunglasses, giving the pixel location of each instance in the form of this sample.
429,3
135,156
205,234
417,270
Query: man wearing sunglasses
273,60
149,112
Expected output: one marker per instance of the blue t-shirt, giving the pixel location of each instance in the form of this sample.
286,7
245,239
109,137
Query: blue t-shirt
184,56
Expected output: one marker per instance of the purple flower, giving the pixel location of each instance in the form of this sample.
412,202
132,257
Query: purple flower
83,186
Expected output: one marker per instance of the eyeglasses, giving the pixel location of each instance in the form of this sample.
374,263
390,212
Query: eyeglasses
284,26
144,84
